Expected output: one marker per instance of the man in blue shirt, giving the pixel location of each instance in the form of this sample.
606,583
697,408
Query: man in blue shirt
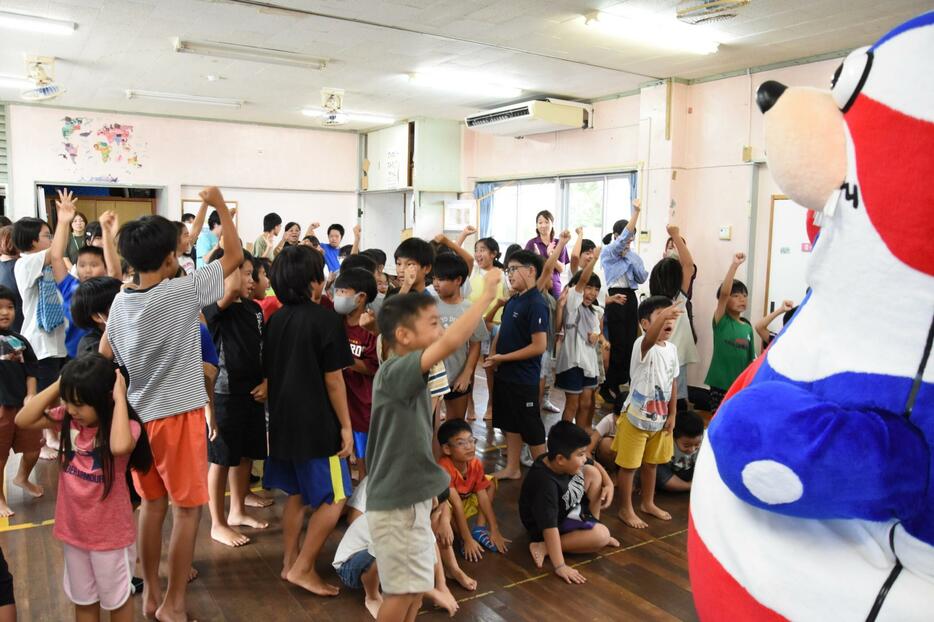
333,247
518,361
208,239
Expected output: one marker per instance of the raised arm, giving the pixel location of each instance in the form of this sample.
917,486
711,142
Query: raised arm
233,253
65,208
655,328
586,274
122,442
723,294
576,251
231,290
545,280
458,333
198,223
32,415
762,326
684,257
110,225
311,229
457,246
355,249
636,210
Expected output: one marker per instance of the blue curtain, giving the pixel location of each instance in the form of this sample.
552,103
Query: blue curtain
483,192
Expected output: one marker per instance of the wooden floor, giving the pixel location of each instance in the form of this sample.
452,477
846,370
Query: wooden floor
645,579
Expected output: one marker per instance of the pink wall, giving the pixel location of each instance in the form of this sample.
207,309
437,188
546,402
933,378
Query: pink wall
700,168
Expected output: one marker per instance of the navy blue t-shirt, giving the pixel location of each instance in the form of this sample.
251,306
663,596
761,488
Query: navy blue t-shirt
523,316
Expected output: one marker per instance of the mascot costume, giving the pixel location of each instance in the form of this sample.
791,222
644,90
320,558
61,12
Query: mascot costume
813,495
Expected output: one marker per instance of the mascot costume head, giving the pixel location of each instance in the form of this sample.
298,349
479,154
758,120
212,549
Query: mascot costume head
813,497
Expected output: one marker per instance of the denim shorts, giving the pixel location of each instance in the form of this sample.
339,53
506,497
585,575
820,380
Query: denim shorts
352,569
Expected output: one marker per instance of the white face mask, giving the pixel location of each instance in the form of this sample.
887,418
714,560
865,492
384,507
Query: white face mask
344,305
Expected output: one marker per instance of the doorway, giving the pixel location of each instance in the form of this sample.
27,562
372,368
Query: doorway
789,253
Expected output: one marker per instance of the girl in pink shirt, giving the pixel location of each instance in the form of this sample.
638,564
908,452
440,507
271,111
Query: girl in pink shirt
101,438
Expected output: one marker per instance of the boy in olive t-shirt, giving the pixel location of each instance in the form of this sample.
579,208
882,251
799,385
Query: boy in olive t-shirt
404,478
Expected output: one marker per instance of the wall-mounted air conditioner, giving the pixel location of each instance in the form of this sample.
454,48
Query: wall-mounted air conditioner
532,117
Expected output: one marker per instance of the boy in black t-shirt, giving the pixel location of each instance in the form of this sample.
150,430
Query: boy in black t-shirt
236,326
561,499
17,384
305,349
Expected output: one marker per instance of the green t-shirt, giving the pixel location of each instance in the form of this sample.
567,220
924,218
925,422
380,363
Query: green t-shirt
732,351
260,247
401,469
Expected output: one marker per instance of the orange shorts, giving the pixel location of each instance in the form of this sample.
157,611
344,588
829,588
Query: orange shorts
21,441
179,460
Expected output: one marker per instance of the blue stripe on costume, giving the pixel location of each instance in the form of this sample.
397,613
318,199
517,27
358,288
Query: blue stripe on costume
925,19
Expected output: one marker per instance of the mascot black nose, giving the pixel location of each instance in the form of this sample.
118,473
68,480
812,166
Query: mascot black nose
768,94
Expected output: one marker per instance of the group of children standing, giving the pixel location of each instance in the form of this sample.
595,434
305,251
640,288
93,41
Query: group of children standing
308,360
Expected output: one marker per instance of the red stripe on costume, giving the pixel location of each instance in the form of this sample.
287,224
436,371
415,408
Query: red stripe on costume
894,163
717,595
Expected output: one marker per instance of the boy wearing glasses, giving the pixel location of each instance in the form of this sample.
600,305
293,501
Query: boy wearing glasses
471,494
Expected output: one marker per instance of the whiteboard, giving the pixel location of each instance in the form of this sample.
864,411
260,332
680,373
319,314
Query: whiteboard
789,254
383,222
388,153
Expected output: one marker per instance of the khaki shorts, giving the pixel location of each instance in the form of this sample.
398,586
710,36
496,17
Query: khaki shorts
634,447
404,547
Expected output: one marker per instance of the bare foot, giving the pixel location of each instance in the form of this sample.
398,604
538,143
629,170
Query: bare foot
507,474
34,490
445,600
254,500
163,614
654,510
632,519
288,559
613,542
192,574
539,552
245,520
462,579
373,605
228,536
311,582
5,510
151,600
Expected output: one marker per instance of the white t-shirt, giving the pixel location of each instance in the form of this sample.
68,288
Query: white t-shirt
27,271
154,333
357,538
682,337
650,387
576,350
607,426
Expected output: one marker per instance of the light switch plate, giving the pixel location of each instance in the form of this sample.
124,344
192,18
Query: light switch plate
645,236
726,233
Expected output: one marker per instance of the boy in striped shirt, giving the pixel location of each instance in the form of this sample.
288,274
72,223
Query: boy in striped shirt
152,329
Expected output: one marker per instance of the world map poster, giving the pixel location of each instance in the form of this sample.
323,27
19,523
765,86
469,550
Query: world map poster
99,149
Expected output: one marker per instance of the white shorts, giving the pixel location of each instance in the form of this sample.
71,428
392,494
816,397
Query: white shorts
99,576
404,547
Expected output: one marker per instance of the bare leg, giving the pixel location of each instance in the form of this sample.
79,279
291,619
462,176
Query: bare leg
26,465
481,518
53,441
585,410
221,531
571,401
537,450
442,594
303,573
648,494
626,512
588,540
239,487
151,518
453,570
88,613
5,510
593,482
123,613
181,552
396,607
293,515
361,468
513,450
372,597
456,409
8,613
488,415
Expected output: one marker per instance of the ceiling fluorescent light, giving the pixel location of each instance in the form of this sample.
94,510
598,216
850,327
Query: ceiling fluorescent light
15,82
34,23
250,53
352,117
184,99
467,84
657,32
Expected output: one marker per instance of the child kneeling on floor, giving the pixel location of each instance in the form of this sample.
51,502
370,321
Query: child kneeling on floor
561,499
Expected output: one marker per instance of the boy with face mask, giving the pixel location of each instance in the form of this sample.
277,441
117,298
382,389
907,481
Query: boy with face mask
353,290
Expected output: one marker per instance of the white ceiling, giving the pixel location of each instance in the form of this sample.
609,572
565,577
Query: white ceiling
541,46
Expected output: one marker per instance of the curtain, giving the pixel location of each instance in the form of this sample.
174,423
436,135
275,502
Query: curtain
483,192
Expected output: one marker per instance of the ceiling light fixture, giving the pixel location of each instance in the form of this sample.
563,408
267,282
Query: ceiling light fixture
184,99
464,83
34,23
653,31
15,82
249,53
350,116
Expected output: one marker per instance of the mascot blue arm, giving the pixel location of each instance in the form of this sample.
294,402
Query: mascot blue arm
781,448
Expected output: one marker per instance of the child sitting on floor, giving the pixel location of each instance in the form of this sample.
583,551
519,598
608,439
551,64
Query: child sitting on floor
561,499
472,492
676,476
601,441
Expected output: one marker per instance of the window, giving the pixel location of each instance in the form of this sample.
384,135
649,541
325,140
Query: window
515,204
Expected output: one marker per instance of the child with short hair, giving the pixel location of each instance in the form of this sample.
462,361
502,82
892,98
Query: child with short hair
236,326
733,348
90,307
353,290
643,435
101,438
472,493
403,484
332,249
305,350
676,475
449,275
561,499
17,386
151,329
601,441
264,246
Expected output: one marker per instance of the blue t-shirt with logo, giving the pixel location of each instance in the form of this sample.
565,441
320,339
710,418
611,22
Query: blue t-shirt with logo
523,316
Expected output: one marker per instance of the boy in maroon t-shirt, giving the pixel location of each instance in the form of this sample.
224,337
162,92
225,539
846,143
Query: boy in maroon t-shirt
353,290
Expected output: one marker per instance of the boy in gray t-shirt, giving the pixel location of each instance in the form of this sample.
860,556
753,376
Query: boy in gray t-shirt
404,478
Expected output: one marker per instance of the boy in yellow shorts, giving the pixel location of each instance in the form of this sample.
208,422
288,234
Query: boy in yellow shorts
643,435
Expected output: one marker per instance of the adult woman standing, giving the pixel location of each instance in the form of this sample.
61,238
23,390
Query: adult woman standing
77,239
543,243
